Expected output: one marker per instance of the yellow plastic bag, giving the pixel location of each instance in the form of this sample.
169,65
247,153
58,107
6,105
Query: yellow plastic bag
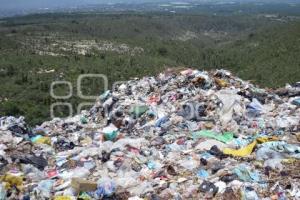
62,198
247,150
43,140
12,180
267,139
289,160
221,82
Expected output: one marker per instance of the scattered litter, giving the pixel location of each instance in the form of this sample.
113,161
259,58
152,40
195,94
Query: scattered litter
187,135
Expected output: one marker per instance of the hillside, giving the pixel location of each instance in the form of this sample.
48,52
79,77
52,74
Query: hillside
38,49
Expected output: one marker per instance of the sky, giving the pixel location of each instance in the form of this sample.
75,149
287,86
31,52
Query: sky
12,4
36,4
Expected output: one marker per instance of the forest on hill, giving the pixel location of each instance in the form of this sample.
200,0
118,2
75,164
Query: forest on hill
36,50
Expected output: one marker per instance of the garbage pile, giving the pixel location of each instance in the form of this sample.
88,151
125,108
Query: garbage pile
186,134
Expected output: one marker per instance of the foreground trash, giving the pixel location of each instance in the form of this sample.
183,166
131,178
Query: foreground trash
180,135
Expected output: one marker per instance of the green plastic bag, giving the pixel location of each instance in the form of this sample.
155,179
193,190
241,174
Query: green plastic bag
83,120
138,111
111,135
225,137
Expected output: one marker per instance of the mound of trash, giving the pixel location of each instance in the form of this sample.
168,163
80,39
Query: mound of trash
180,135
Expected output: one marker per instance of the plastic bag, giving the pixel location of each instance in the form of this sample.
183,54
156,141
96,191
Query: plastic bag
247,150
79,172
2,192
106,187
225,137
203,174
242,152
246,175
255,108
45,188
189,164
